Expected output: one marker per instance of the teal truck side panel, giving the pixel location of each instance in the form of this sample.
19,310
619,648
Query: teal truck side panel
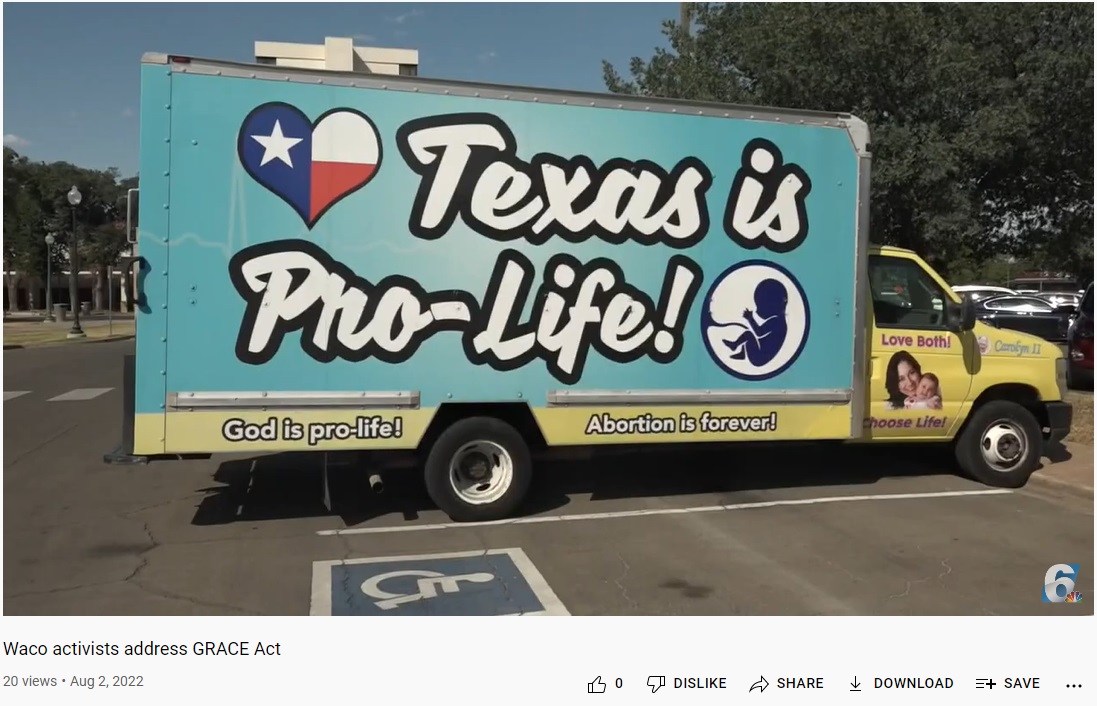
250,185
213,208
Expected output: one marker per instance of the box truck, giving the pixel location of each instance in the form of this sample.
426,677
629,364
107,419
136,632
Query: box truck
331,262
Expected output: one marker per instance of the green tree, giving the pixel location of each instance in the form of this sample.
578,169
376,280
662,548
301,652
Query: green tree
24,232
35,203
104,216
981,115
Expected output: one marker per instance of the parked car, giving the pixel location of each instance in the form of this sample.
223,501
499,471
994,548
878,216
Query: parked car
1062,298
1028,314
978,292
1080,344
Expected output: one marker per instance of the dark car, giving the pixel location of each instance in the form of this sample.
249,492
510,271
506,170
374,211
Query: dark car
1027,314
1080,343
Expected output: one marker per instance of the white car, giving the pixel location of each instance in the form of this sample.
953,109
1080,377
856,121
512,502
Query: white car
981,291
1062,298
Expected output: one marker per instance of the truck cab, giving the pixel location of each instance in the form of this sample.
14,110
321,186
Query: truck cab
938,374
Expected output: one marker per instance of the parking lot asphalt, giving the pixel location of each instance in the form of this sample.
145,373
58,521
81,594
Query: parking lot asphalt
733,530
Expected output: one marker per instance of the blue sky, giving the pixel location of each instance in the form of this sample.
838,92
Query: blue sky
71,70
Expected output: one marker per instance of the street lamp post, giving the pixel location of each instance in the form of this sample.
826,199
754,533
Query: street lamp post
74,197
50,240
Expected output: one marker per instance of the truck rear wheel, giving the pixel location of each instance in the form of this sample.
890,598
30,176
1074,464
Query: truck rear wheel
479,470
1001,445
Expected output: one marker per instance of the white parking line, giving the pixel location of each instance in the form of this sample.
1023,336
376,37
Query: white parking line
14,393
541,519
81,394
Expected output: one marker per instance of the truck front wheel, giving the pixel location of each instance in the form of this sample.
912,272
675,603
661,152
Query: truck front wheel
479,470
1001,444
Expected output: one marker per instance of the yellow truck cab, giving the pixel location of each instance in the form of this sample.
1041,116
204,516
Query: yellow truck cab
938,374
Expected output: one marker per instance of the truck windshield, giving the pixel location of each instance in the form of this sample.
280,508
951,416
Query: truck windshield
1087,302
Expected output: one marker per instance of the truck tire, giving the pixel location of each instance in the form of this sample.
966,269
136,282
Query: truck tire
478,470
1001,445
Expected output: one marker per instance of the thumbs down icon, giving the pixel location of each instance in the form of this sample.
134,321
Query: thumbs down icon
656,683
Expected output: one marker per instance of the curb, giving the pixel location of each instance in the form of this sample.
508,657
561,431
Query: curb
53,344
1075,488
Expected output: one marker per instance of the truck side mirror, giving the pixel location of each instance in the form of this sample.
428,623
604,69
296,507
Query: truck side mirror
967,314
961,317
132,209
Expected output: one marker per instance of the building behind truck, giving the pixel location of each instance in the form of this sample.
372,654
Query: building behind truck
339,54
336,260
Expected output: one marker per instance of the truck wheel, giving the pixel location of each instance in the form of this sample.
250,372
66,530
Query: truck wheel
1001,445
478,470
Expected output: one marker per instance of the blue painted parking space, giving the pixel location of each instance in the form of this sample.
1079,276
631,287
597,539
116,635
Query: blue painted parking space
484,582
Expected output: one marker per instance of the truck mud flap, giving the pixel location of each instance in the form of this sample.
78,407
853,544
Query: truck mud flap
123,453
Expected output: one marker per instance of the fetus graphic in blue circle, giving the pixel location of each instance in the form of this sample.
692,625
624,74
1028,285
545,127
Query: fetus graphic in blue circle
755,320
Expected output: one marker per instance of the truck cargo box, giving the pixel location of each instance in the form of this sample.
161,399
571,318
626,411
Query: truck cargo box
344,261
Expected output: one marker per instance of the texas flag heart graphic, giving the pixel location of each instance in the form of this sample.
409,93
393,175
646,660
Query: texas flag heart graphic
309,165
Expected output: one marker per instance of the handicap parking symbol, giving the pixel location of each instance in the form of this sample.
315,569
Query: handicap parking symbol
491,582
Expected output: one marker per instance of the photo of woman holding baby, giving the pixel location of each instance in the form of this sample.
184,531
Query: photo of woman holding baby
908,387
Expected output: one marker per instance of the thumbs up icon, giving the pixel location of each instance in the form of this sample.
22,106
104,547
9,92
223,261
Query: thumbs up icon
597,686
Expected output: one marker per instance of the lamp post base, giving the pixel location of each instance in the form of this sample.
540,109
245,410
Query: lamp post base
49,319
77,334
